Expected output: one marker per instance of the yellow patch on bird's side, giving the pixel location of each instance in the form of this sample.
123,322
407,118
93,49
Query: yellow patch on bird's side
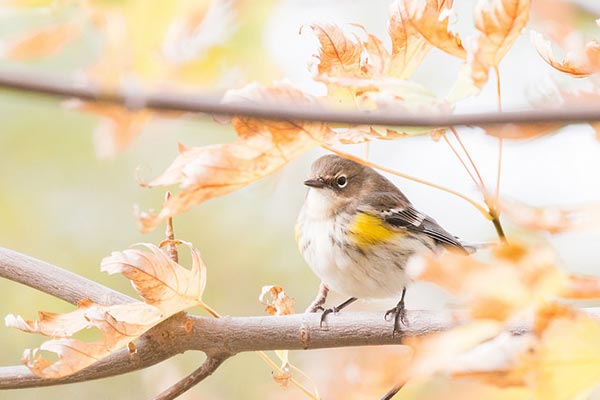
367,230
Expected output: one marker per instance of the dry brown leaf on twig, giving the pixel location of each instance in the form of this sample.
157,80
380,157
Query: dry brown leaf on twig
160,281
262,148
118,325
166,287
518,278
276,301
552,219
579,62
499,23
431,19
348,53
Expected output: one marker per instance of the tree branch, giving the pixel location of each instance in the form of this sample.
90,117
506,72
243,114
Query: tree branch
211,104
55,281
205,370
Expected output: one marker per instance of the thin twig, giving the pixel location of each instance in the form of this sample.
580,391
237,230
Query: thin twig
464,164
209,366
170,236
211,104
456,135
478,206
392,392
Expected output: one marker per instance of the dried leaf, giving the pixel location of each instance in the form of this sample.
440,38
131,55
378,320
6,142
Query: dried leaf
409,47
582,287
160,281
352,54
500,23
262,148
430,18
517,278
552,219
118,126
522,131
276,301
579,62
118,325
166,287
438,351
42,42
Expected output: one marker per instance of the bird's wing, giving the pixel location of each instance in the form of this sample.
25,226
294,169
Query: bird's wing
396,211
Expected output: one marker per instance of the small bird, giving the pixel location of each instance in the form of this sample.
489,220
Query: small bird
357,231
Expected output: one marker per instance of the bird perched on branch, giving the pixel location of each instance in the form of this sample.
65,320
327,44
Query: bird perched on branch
357,231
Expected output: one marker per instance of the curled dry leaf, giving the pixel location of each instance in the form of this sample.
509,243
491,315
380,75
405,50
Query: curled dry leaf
276,301
416,26
431,18
42,42
500,23
517,278
262,148
160,281
166,287
562,361
118,325
438,351
579,62
354,53
522,131
551,219
117,128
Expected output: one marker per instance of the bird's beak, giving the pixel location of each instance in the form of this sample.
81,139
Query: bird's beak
316,183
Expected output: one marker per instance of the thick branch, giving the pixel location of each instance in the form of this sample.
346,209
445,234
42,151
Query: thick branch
164,100
209,366
55,281
227,336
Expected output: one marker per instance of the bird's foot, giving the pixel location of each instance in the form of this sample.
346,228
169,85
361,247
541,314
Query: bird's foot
399,313
326,312
316,309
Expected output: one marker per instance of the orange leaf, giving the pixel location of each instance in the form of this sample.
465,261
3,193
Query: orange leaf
355,54
430,18
118,126
517,278
409,47
579,62
278,303
551,218
522,131
500,23
42,42
118,325
160,281
262,148
582,287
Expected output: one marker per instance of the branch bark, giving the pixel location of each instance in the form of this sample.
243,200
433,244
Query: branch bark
209,366
211,104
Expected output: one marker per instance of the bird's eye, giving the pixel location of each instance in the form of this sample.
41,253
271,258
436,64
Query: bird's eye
341,181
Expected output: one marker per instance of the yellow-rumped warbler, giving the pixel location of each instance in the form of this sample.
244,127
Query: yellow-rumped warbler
357,231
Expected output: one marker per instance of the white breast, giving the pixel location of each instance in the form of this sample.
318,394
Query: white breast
374,273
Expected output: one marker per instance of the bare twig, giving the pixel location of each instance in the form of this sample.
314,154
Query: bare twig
392,392
205,370
165,100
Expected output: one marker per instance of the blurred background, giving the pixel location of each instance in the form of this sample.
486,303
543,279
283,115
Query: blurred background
67,171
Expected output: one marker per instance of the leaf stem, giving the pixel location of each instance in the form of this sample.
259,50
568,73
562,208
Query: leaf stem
478,206
456,135
493,207
464,164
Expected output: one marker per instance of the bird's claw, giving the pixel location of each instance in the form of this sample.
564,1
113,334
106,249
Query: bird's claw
325,313
316,309
399,313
